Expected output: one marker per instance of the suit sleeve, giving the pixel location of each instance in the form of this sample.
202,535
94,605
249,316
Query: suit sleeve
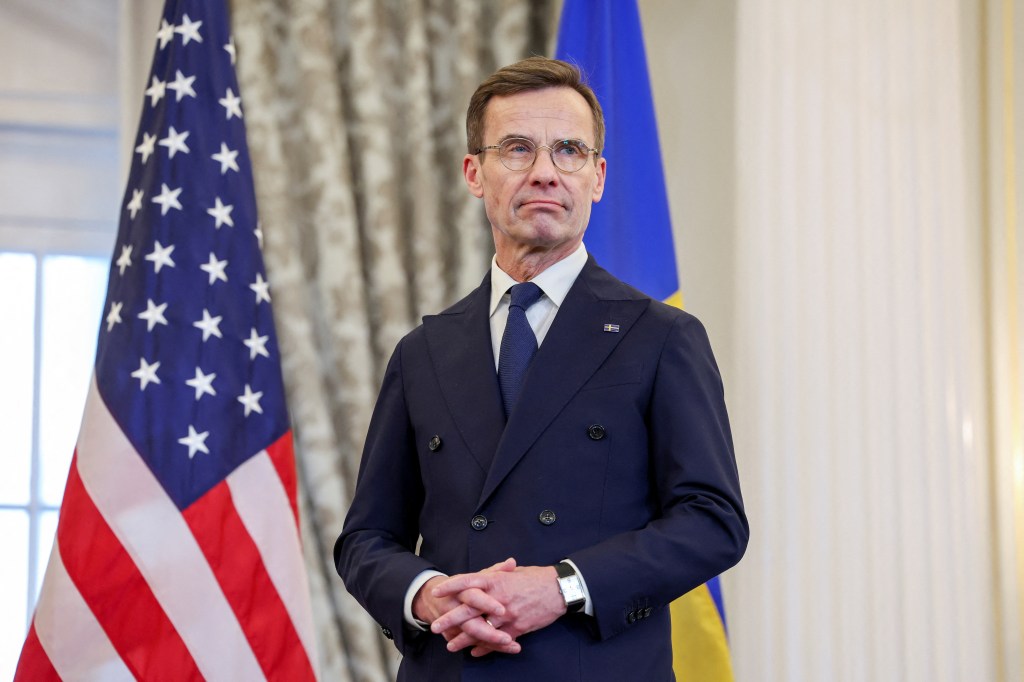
375,553
699,528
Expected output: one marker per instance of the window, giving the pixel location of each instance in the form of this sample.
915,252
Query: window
60,192
50,306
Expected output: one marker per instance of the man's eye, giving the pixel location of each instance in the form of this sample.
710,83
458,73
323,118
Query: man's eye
569,149
517,148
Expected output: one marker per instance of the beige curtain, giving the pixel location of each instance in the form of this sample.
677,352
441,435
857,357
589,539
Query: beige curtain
355,113
859,400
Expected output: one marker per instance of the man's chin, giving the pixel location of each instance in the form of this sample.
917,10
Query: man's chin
546,243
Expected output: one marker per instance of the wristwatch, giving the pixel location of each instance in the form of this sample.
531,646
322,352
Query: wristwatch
571,587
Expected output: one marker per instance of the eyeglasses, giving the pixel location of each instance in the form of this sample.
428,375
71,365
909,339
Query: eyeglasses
519,154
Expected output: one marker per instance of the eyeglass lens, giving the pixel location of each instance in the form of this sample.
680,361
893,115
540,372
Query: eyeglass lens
519,154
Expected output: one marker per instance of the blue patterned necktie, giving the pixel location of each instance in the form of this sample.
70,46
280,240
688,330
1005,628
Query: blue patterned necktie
518,343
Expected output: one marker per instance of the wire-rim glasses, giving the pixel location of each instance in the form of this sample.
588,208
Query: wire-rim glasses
519,153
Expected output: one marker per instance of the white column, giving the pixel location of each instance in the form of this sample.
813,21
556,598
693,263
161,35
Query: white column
859,395
1003,28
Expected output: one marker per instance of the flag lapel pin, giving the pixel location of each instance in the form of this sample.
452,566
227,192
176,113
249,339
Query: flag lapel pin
613,328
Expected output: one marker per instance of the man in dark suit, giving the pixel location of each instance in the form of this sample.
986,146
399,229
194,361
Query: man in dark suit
549,464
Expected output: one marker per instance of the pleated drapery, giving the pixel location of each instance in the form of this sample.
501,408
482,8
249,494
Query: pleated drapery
859,398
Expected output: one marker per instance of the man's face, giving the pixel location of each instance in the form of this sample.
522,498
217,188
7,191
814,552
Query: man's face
540,208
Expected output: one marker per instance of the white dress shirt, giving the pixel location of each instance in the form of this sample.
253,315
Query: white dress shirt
555,282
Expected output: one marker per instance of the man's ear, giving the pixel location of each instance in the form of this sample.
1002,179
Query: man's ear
472,171
602,168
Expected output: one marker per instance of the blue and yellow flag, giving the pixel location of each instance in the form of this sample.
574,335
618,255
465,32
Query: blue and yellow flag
630,234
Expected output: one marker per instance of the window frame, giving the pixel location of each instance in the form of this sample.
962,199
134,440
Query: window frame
43,238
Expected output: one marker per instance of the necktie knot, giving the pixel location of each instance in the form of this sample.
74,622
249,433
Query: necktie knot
524,295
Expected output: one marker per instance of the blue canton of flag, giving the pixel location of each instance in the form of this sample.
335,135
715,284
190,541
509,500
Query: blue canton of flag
187,360
177,553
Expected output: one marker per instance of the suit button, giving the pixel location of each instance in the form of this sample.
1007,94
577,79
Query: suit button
547,517
647,611
595,432
479,522
387,633
434,444
631,617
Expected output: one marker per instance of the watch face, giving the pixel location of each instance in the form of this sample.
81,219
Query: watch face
571,589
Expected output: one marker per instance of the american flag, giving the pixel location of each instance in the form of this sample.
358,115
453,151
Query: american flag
177,553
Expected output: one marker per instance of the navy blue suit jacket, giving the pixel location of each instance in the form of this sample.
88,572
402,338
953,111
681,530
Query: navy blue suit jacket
621,435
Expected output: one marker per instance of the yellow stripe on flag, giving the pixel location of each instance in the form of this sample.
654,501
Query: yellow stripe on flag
700,652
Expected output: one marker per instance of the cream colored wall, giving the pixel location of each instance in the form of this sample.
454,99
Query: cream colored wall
691,55
58,124
70,95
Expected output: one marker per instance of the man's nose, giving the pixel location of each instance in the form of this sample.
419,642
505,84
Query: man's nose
543,171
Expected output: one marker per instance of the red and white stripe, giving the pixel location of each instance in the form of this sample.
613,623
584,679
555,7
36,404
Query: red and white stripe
136,589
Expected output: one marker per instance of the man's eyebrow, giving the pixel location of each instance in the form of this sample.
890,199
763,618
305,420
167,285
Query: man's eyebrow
516,136
521,136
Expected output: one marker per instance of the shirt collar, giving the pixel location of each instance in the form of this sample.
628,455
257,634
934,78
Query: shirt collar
555,281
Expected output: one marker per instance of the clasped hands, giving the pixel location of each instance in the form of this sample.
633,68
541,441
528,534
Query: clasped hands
490,609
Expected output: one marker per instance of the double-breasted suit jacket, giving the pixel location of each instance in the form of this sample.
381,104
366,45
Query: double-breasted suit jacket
617,456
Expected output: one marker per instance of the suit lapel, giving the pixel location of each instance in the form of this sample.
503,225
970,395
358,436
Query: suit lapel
573,350
459,342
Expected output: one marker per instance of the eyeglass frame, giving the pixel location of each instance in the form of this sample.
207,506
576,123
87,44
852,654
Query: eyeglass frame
538,147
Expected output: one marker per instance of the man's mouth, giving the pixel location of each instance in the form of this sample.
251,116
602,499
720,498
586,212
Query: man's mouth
541,203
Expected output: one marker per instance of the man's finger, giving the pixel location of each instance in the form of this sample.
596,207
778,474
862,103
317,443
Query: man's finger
481,650
477,631
465,641
463,581
481,601
454,618
461,641
506,565
451,633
